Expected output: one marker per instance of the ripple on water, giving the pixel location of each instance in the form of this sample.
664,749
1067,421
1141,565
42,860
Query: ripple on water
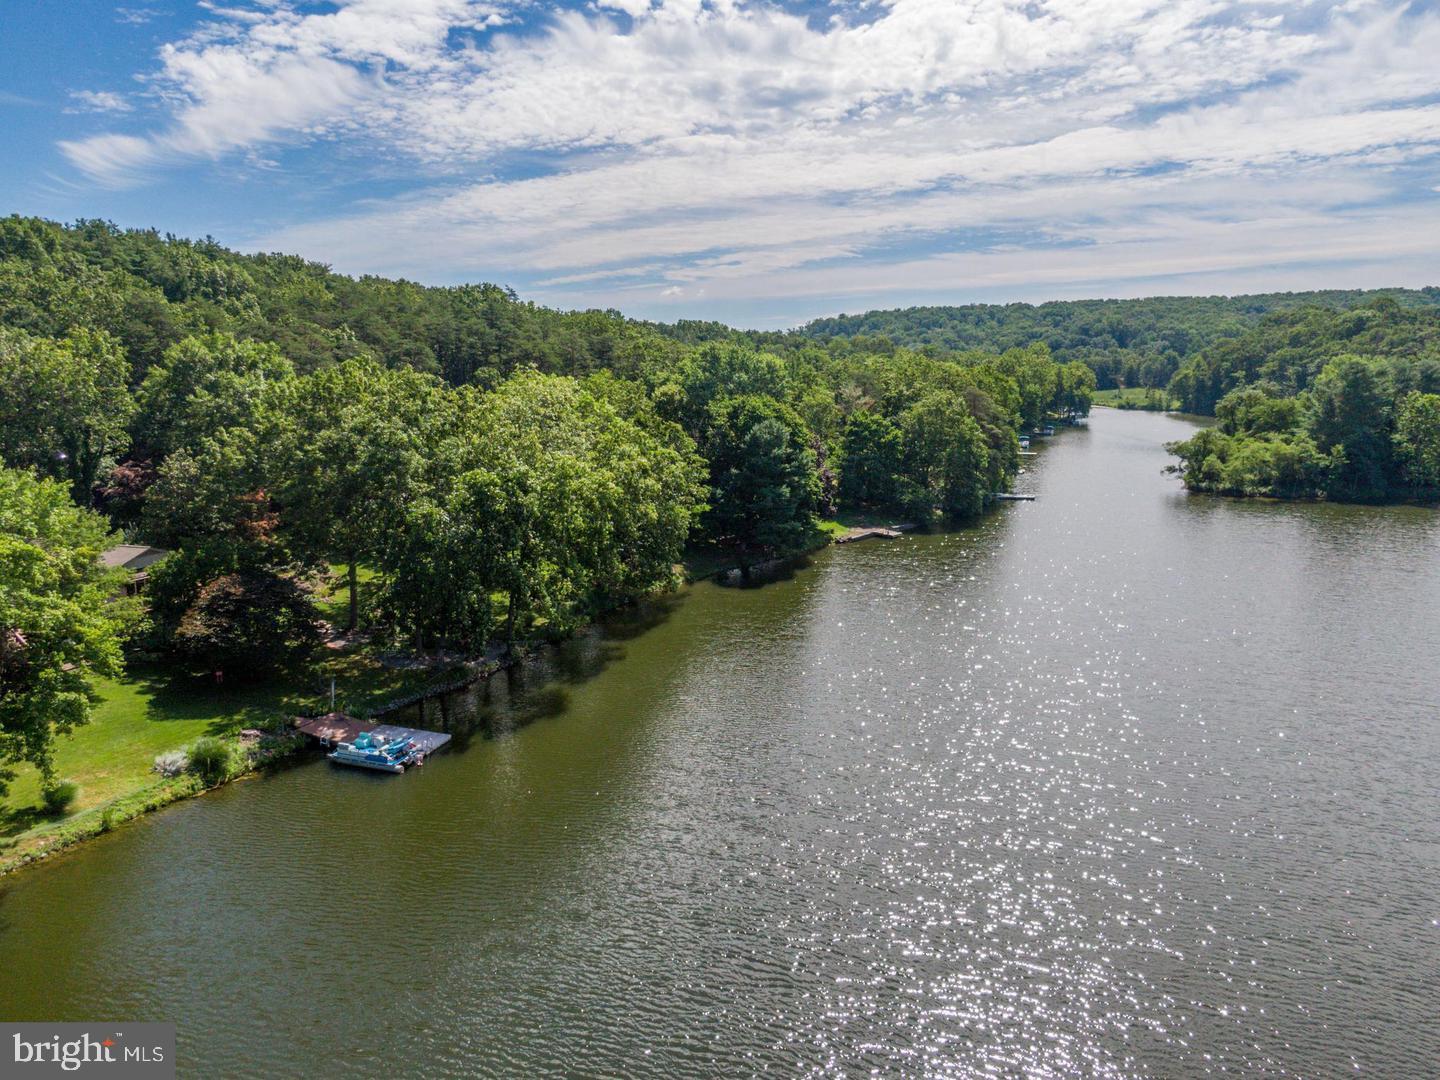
1116,783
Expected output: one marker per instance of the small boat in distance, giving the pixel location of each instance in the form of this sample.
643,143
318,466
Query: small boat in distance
368,752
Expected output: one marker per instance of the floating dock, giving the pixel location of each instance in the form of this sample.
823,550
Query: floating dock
868,534
335,728
1009,496
875,532
427,742
331,728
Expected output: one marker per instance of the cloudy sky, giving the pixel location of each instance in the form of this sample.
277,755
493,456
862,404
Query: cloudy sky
757,162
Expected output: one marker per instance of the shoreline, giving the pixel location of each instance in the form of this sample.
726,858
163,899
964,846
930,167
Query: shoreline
280,748
65,834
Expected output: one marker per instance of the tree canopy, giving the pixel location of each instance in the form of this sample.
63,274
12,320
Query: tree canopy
500,469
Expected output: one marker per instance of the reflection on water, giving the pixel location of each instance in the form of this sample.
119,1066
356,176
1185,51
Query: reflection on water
1118,782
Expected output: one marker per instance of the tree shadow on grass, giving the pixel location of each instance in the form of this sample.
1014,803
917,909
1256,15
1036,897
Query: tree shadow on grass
15,820
229,705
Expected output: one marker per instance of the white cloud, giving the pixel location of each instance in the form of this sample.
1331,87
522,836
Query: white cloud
748,146
101,101
239,102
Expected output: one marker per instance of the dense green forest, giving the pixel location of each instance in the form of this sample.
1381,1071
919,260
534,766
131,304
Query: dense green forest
1319,403
1318,395
1136,343
497,471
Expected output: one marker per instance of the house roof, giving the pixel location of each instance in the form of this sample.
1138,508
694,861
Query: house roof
133,557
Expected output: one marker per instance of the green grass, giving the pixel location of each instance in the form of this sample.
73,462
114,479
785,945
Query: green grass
147,713
846,520
1134,397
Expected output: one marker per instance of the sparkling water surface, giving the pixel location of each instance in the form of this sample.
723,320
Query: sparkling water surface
1120,782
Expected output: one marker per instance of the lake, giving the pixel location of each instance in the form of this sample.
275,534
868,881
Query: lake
1119,782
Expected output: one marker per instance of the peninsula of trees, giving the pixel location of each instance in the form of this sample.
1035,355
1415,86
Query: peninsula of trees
1315,403
496,471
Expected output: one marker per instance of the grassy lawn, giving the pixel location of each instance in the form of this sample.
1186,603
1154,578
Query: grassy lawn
863,519
146,713
155,708
1134,397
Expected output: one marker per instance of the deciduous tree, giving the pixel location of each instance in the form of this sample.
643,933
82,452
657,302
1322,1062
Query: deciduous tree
762,479
204,385
1417,441
64,405
249,622
58,625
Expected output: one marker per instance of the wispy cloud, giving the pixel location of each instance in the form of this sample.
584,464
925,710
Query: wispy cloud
100,101
754,150
135,16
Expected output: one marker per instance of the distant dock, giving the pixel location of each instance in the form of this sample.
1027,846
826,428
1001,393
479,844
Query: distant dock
875,532
1010,496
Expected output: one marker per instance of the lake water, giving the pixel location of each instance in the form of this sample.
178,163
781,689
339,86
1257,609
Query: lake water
1119,782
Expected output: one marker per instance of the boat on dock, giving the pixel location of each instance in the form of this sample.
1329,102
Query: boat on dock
368,745
368,751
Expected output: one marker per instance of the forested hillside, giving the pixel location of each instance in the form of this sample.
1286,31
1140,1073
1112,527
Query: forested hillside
494,470
1139,343
1289,349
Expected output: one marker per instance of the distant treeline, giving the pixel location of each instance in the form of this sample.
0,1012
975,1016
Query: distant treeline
494,470
1132,343
1318,395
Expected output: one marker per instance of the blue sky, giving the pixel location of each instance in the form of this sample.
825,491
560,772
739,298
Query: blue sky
757,163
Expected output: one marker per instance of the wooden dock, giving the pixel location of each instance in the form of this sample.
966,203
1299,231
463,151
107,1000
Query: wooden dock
1010,496
875,533
336,727
331,728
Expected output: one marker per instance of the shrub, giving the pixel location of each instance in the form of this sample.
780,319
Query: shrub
171,763
58,796
210,759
